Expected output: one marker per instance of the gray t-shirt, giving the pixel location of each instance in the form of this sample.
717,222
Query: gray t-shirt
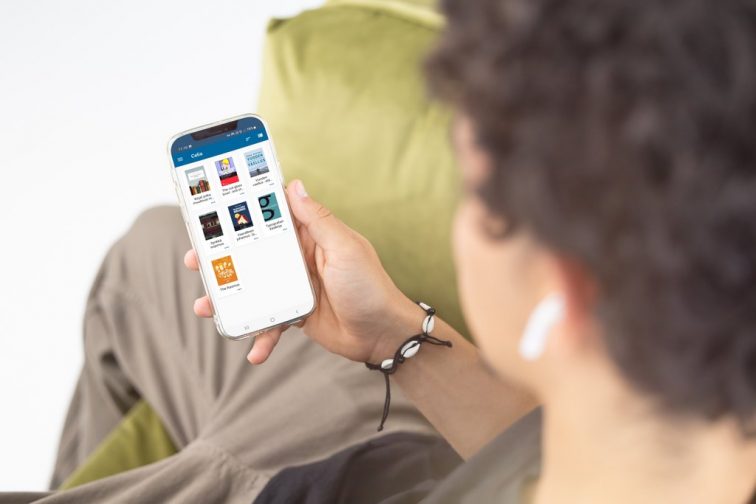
406,468
499,472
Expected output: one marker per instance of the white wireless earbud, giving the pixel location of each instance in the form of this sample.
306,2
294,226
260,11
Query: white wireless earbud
543,318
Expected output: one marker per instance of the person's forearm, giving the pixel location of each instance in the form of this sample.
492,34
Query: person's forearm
453,388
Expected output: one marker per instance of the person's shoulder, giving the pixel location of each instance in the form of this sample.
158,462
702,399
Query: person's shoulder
496,473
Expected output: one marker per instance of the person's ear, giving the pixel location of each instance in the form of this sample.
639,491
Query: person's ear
564,314
579,291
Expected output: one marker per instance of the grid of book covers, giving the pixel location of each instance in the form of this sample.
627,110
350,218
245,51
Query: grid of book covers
233,200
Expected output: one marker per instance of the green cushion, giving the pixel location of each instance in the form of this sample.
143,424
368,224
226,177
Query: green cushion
347,107
138,440
344,97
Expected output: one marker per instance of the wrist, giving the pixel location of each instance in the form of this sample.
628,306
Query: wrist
403,320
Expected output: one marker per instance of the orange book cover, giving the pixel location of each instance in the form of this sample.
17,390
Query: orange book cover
224,270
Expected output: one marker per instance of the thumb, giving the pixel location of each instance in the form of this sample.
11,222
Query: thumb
324,228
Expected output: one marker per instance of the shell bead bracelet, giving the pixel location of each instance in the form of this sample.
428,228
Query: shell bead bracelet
407,350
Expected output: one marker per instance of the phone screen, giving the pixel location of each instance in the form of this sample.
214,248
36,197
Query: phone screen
230,185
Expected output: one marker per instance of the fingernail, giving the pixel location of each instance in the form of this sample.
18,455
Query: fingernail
300,189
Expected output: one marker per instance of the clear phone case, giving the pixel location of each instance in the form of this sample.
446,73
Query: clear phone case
184,214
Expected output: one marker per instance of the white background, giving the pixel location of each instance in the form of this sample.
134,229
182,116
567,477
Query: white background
90,91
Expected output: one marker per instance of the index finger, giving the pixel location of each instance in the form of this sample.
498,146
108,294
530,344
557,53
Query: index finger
190,260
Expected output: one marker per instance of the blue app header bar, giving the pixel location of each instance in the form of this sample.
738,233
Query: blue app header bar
191,148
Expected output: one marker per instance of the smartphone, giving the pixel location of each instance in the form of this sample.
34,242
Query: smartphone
231,194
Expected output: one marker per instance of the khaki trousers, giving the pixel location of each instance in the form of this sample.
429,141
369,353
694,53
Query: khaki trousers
235,424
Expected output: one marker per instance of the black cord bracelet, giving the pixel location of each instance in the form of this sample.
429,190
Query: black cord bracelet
407,349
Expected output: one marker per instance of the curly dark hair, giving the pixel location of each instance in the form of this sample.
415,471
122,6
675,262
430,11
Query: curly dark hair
623,136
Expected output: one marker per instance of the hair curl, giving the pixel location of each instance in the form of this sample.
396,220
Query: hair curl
623,135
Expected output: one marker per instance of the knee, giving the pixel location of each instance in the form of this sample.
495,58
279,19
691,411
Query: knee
158,229
156,221
155,241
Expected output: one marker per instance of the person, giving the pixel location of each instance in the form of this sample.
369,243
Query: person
606,256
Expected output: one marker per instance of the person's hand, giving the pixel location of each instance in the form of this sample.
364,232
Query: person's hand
360,313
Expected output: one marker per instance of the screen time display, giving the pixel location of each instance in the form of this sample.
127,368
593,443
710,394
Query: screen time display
235,208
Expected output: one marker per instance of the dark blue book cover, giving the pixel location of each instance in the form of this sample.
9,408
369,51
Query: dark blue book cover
240,216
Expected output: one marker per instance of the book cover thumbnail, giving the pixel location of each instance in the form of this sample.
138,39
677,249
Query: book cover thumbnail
240,216
256,163
225,272
269,207
227,171
197,179
211,225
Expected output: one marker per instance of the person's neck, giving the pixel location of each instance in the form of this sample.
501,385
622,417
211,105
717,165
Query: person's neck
607,444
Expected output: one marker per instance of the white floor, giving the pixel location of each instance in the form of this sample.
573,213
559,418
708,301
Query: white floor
90,91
